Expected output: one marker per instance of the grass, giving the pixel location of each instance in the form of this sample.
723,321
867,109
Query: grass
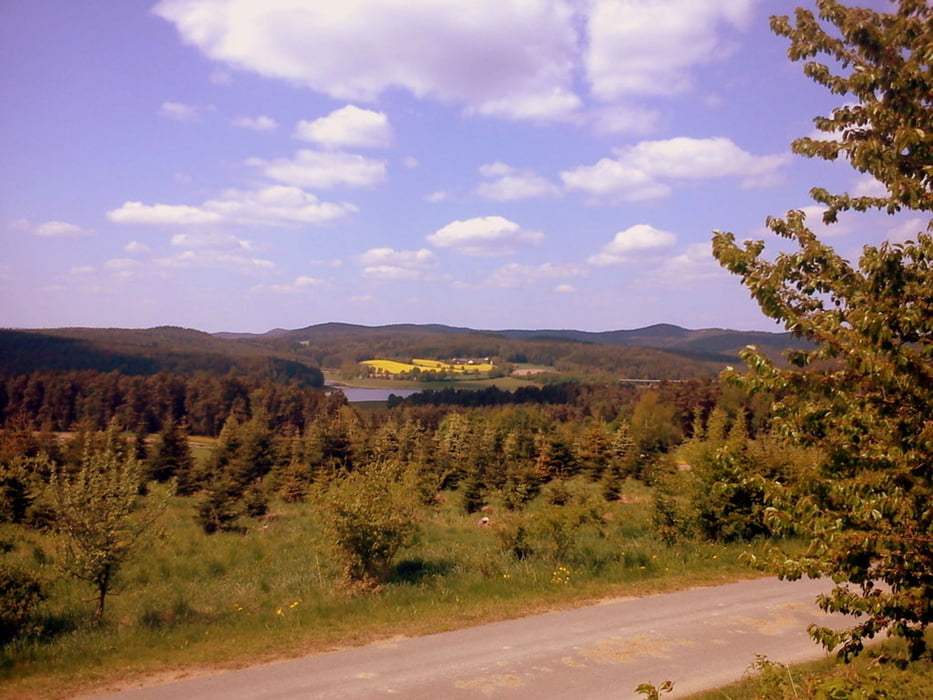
191,601
872,675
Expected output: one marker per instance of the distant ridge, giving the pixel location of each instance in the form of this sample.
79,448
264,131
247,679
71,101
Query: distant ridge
661,336
655,352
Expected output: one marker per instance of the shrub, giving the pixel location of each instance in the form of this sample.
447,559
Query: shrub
19,594
370,514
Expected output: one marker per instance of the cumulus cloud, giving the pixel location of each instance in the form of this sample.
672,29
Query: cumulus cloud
123,268
634,242
57,229
639,172
162,214
276,205
403,258
300,284
650,47
487,236
695,263
220,259
510,183
348,127
509,58
258,123
323,169
136,248
518,275
181,112
396,265
210,240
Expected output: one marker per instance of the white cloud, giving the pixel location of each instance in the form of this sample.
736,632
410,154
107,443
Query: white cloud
868,186
258,123
633,242
396,265
639,172
487,236
402,258
650,47
348,127
690,158
511,184
60,229
299,284
439,196
613,178
123,268
276,205
136,248
217,259
204,240
182,112
906,230
323,169
565,288
518,275
509,58
162,214
81,270
392,273
696,263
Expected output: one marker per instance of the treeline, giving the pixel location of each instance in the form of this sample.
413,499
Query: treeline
146,352
62,401
576,358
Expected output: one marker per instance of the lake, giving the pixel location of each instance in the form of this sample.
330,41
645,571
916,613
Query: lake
355,394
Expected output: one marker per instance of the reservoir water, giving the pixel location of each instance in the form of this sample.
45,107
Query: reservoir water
355,394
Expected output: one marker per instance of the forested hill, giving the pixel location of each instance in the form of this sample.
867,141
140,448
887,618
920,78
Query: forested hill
656,352
665,336
146,352
709,346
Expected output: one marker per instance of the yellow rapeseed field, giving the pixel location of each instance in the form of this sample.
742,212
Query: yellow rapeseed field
393,367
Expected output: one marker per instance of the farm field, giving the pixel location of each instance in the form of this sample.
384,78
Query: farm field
424,365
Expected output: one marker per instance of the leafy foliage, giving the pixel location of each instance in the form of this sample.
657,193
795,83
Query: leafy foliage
97,513
863,395
20,592
370,514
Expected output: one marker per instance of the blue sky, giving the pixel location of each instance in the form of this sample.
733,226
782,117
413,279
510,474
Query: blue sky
244,165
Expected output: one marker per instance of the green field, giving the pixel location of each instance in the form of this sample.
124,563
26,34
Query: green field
190,600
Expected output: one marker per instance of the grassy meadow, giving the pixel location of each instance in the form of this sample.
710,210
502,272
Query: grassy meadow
189,601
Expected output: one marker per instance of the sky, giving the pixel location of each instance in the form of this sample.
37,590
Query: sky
236,165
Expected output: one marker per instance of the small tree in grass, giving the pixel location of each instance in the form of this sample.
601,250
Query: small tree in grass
370,514
99,515
863,396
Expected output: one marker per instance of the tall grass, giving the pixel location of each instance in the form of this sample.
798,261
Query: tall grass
190,600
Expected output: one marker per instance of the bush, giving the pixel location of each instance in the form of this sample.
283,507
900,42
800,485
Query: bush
370,514
19,594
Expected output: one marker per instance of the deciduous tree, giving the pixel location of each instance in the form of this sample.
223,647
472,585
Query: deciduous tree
863,395
98,513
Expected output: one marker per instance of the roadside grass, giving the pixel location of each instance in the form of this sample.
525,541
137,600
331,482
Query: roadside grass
872,675
191,603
